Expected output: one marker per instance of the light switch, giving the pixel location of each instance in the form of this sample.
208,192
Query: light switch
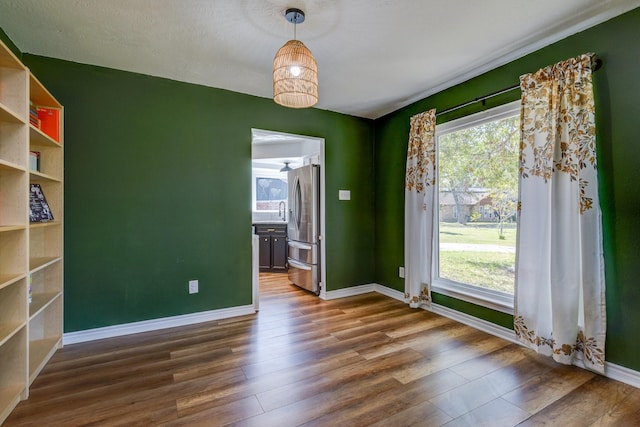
344,195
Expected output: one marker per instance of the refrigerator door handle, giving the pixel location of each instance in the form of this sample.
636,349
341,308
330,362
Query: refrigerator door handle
298,203
298,245
301,266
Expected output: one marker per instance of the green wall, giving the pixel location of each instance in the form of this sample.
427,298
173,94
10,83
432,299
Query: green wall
157,185
617,87
7,41
158,190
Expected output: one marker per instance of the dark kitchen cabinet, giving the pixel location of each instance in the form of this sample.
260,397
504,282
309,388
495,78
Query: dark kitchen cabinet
273,246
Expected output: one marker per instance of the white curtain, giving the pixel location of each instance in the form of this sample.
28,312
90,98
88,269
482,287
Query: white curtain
560,288
419,203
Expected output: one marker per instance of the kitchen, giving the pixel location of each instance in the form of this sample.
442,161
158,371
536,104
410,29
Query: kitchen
288,208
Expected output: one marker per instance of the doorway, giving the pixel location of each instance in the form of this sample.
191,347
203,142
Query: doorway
270,150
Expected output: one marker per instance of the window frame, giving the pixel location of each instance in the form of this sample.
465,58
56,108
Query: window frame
489,298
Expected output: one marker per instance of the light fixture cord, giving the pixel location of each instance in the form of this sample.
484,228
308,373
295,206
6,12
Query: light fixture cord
295,26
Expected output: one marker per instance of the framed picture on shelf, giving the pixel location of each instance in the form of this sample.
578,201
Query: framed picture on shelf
39,210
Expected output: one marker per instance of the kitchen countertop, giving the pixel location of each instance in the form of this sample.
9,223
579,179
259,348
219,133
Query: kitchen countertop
269,222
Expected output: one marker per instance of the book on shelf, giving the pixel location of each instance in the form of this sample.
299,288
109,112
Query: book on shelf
50,122
39,210
34,161
33,115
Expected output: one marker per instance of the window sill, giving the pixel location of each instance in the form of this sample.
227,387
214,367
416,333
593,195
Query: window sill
495,300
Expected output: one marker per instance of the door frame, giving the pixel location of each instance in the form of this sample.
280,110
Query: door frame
285,144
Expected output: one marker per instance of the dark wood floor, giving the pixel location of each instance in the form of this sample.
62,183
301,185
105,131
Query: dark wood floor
359,361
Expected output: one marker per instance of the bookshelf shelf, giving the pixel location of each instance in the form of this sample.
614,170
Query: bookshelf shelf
13,381
5,228
30,254
8,279
10,167
40,302
10,395
41,139
41,177
45,224
8,330
8,115
40,351
37,264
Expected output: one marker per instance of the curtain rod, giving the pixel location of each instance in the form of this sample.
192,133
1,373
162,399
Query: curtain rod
597,63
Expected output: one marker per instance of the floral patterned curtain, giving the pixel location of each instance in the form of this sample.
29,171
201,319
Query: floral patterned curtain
560,288
419,206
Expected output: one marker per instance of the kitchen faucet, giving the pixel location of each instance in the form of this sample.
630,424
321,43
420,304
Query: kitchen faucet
282,211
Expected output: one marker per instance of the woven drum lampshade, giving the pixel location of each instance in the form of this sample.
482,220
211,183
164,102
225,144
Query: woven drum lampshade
295,76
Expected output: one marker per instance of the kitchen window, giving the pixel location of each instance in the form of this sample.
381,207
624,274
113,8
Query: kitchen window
476,224
269,190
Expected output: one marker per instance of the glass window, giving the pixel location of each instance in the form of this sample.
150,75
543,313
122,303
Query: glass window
477,221
270,192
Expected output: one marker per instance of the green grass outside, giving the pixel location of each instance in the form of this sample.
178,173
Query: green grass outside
487,269
477,233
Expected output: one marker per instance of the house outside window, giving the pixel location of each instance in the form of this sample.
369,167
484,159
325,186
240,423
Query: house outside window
476,225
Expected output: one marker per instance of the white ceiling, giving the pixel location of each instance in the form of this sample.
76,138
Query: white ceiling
374,56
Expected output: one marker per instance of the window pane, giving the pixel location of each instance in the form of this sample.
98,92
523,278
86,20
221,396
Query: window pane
270,192
478,179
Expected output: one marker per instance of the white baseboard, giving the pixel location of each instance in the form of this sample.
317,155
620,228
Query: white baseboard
611,370
391,293
362,289
155,324
474,322
348,292
622,374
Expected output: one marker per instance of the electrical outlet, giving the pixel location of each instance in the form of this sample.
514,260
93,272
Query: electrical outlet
193,286
401,272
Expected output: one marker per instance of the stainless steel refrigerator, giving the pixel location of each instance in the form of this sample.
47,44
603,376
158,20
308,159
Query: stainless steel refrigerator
303,229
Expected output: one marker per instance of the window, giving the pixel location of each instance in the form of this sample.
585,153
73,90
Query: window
270,192
477,195
269,189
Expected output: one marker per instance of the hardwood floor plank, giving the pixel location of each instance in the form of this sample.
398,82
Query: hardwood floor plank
442,360
357,361
220,415
624,414
302,411
420,326
395,401
481,391
585,405
480,366
440,339
548,388
251,386
423,414
356,372
498,412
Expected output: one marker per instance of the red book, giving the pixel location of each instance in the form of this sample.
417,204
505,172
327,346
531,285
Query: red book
50,122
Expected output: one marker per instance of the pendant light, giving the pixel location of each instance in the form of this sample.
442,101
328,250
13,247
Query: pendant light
295,70
286,167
